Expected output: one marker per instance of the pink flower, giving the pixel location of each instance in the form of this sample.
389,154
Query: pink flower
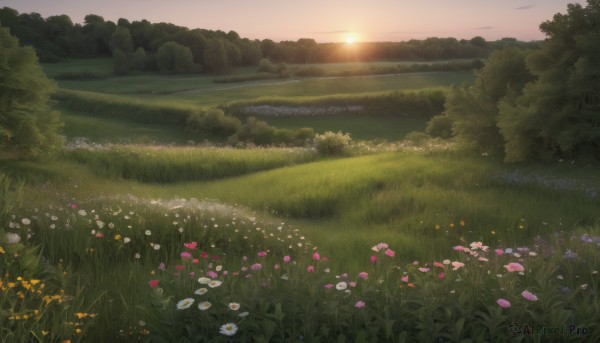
363,275
514,267
457,265
529,296
204,254
73,206
390,253
311,269
195,261
212,274
99,235
179,267
360,304
352,284
374,259
503,303
286,259
404,278
190,245
162,266
153,283
441,275
328,286
437,264
499,252
423,270
459,248
256,266
261,254
316,256
185,255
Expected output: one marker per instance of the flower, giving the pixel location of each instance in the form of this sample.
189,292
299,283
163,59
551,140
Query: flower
244,314
503,303
341,286
459,248
201,291
316,256
234,306
529,296
363,275
12,238
82,213
379,247
185,303
153,283
569,255
311,269
185,255
212,274
26,221
441,275
148,233
203,306
360,304
126,240
256,266
457,265
404,278
514,267
261,254
179,267
204,280
328,286
286,259
440,265
191,245
499,252
374,259
423,270
214,283
228,329
156,246
390,253
162,266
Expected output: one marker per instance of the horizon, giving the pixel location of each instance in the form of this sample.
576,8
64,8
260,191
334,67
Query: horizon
389,21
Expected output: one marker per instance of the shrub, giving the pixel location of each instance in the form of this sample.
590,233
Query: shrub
416,137
265,66
331,143
439,126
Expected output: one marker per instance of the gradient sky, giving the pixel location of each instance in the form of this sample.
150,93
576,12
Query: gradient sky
325,20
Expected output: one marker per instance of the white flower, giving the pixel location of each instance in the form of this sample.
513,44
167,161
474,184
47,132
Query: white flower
234,306
100,224
185,303
341,286
244,314
180,230
201,291
156,247
228,329
204,280
82,213
111,225
54,218
12,238
53,226
284,277
126,240
203,306
214,283
137,255
25,221
148,232
219,268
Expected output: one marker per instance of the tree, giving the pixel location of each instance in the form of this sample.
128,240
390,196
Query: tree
120,62
121,39
474,109
139,59
559,113
215,55
27,126
174,58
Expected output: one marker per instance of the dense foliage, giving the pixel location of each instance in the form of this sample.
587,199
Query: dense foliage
539,105
27,125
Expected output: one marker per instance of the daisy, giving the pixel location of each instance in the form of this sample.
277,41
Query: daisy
185,303
201,291
234,306
214,283
228,329
203,306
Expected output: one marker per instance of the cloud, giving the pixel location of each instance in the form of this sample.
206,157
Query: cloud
482,28
335,32
526,7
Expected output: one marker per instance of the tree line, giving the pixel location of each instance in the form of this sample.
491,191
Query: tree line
168,48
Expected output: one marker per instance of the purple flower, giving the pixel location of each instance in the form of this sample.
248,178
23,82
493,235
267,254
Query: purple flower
503,303
256,266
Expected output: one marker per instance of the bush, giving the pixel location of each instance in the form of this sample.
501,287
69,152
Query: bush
331,143
416,137
265,66
214,122
439,126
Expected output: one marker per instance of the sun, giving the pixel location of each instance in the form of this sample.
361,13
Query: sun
349,40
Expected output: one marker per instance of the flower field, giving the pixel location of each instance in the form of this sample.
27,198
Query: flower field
134,269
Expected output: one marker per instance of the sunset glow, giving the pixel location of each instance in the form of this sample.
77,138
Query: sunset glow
349,40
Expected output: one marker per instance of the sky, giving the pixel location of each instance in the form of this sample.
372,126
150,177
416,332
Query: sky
325,20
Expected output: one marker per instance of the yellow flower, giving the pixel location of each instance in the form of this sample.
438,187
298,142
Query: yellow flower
437,226
34,282
81,315
19,278
117,237
45,332
2,250
78,330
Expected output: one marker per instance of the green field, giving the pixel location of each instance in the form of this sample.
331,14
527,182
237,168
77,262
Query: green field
137,239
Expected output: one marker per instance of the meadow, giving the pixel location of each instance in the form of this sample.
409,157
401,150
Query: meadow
138,235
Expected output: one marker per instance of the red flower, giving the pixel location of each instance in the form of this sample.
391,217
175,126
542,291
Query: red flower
153,283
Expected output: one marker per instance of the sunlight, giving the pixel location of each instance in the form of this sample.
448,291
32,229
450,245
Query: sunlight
349,40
